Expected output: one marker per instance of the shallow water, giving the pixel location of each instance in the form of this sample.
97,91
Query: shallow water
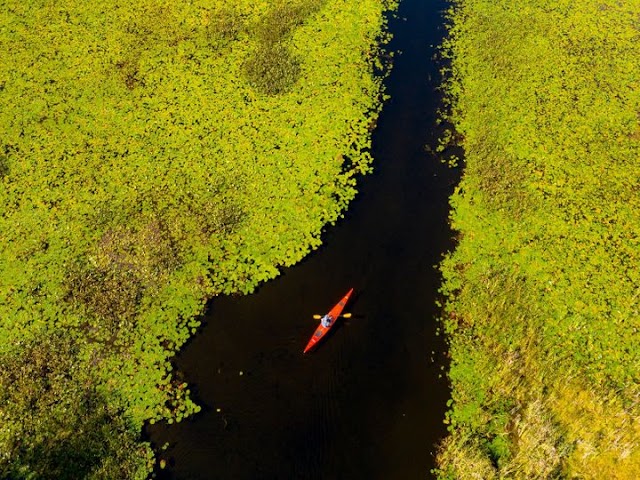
369,402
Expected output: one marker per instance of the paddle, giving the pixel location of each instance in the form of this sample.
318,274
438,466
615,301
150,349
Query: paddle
344,315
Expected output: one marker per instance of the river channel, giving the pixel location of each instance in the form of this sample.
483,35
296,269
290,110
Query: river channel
369,402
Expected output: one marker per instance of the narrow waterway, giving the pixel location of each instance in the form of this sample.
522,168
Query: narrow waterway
369,402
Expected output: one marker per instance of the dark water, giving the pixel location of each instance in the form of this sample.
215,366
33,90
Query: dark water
369,402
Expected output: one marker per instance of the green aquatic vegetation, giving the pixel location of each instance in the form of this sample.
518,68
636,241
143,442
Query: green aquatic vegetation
272,69
543,315
156,154
58,423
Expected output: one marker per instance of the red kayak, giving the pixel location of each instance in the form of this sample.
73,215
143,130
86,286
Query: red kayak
327,322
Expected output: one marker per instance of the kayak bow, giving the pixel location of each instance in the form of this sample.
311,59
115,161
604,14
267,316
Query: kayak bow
334,313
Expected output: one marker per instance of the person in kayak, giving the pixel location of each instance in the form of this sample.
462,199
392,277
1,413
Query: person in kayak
326,321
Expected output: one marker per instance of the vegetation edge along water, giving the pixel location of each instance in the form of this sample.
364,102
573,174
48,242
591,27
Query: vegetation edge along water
543,288
153,155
